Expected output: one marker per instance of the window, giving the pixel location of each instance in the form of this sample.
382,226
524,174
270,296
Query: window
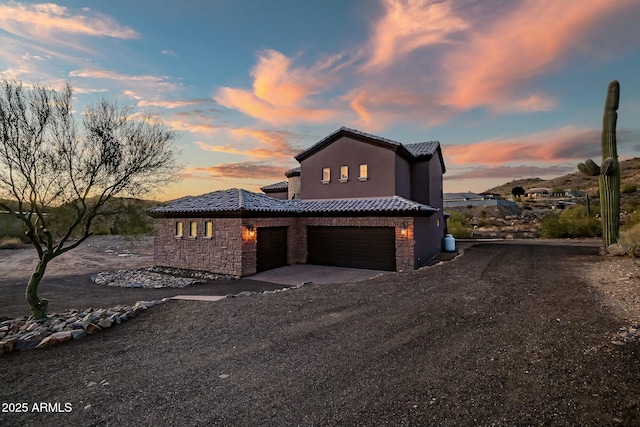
326,175
193,229
364,172
179,229
344,173
208,229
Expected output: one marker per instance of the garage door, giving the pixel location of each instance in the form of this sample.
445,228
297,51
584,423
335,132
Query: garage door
271,248
356,247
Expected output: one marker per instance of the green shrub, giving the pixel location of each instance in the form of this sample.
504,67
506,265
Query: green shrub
11,227
458,226
629,239
629,188
571,223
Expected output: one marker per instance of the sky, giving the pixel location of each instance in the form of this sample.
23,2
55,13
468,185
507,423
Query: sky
511,88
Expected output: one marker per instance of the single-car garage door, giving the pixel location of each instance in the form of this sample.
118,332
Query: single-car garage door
271,248
356,247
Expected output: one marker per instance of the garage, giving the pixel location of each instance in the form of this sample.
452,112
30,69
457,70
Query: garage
356,247
271,248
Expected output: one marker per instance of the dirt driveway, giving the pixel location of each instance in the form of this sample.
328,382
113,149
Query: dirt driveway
504,335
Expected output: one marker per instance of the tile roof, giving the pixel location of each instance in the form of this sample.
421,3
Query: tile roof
292,172
277,187
411,151
237,201
420,149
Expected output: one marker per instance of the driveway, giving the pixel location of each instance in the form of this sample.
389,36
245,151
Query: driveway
316,274
504,335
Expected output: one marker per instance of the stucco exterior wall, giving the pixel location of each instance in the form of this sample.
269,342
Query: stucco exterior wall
348,152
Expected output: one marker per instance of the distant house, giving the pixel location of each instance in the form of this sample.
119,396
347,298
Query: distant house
357,200
454,200
537,193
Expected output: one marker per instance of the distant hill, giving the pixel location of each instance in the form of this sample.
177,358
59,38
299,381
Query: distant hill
629,174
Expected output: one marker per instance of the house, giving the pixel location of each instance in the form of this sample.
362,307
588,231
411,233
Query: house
454,200
357,200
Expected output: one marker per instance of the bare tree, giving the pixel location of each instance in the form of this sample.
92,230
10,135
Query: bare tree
48,161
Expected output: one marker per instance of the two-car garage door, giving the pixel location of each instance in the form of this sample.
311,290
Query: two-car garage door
356,247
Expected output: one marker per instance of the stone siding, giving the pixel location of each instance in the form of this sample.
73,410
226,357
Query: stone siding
220,253
233,247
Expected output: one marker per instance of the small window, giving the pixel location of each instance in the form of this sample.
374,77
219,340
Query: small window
193,229
326,175
364,172
208,229
179,229
344,173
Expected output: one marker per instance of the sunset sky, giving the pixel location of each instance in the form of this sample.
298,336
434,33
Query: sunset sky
511,88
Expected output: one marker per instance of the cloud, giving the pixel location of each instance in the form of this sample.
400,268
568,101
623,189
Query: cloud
510,172
282,93
252,170
408,26
168,52
569,143
271,144
382,105
53,24
532,39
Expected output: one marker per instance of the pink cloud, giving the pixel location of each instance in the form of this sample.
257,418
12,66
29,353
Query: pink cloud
271,144
281,93
241,170
381,105
408,26
532,39
559,145
49,23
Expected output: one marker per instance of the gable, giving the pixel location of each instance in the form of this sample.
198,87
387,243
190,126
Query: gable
411,152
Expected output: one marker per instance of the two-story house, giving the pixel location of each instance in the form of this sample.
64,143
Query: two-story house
357,200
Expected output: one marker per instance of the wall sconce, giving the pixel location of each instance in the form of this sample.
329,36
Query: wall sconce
251,232
404,231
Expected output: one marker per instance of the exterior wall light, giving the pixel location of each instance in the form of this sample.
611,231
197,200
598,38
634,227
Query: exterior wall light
404,231
251,232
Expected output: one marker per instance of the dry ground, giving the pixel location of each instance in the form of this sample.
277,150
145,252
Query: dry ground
507,334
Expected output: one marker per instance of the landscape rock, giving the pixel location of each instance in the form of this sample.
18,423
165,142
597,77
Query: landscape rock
26,333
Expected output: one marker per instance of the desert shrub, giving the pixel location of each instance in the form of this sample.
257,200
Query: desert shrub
571,223
630,221
11,227
458,226
630,240
11,243
629,188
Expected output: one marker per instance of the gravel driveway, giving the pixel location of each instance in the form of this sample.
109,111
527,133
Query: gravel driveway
504,335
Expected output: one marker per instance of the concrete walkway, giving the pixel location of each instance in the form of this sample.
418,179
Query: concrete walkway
317,274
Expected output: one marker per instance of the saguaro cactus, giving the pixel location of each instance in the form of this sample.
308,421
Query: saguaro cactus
609,172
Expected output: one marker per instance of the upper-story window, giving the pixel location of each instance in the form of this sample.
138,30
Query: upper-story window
326,175
364,172
193,229
208,229
179,229
344,173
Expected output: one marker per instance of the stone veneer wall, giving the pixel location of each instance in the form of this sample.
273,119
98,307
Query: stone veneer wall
232,248
221,253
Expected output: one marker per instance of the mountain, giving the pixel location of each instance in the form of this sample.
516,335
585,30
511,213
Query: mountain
629,174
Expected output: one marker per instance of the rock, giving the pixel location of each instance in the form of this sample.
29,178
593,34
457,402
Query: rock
92,328
104,323
78,333
6,346
27,344
49,341
63,336
616,250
